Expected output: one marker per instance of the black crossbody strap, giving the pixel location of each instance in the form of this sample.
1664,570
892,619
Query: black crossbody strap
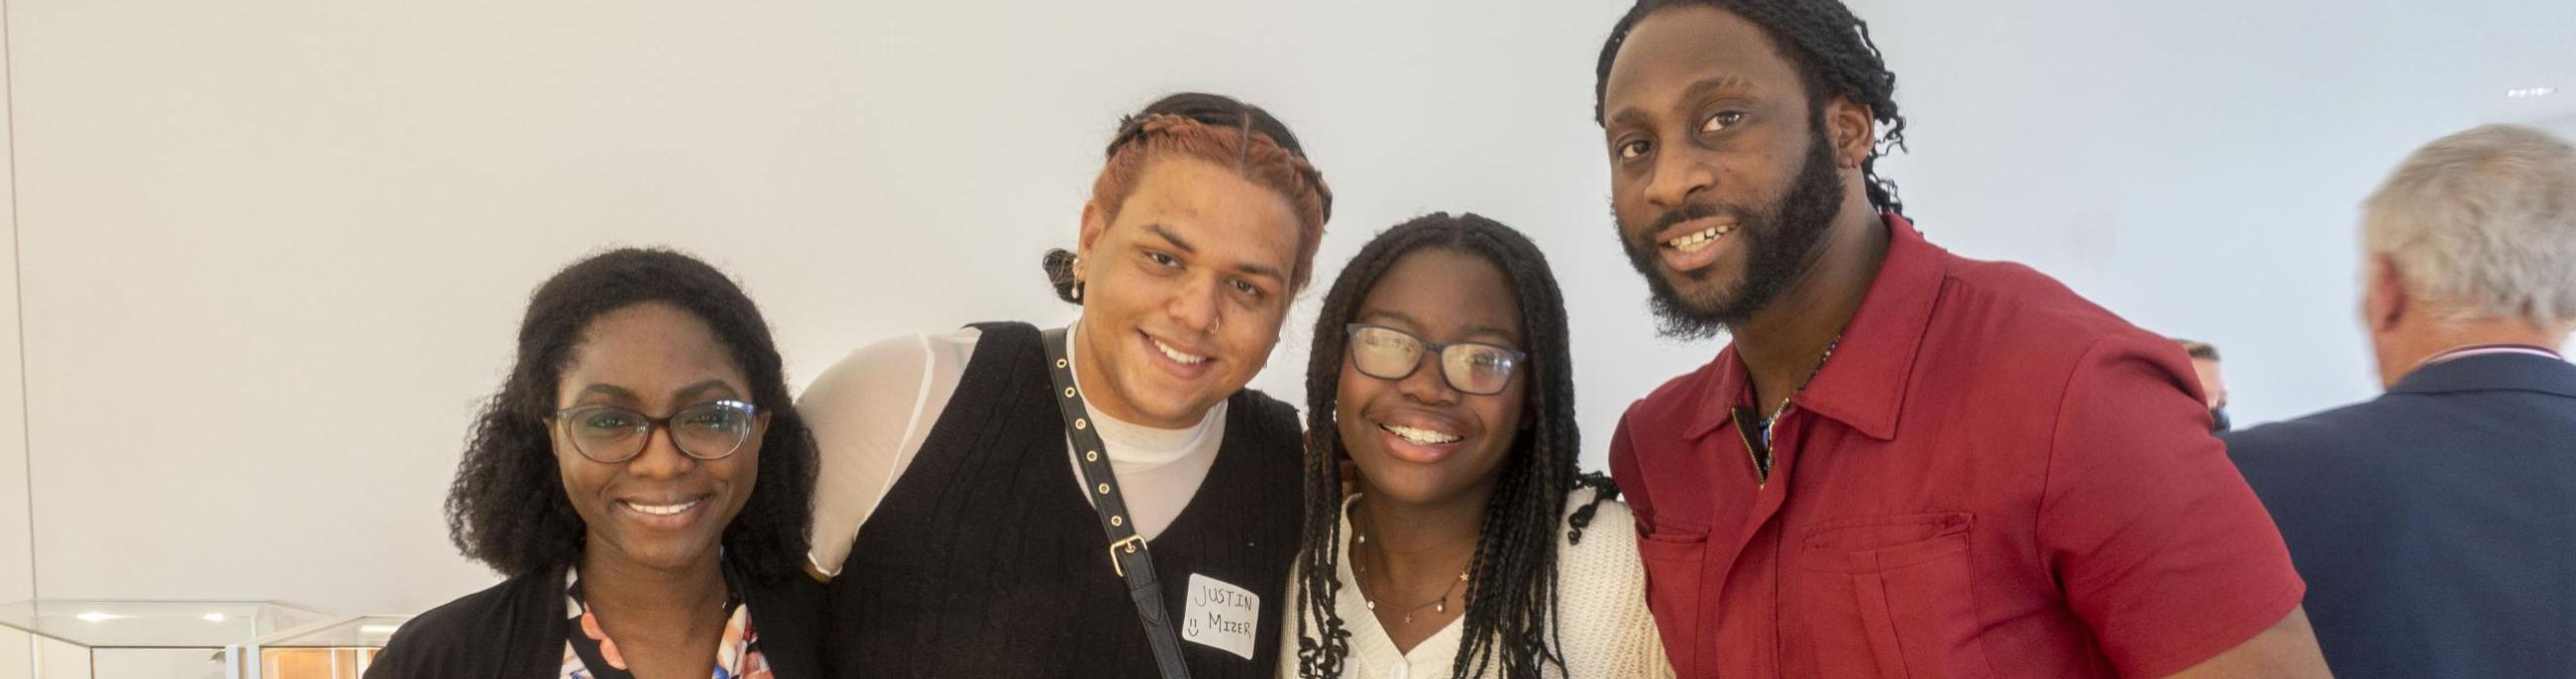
1127,553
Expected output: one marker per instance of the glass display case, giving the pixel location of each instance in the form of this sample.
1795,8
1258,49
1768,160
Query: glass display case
338,650
113,639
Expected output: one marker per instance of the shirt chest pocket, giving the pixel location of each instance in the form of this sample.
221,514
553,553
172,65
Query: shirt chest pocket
1675,560
1883,596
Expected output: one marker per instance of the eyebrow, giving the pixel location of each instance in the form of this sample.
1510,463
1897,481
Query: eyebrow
1716,84
1697,90
1473,331
1184,246
1627,117
685,393
627,395
1262,270
613,391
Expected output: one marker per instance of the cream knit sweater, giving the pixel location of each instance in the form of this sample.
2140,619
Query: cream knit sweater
1600,595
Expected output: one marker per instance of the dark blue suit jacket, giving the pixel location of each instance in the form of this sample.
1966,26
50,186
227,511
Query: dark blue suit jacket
2436,524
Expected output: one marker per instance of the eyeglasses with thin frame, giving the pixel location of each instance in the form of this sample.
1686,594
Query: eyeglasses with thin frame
613,434
1473,368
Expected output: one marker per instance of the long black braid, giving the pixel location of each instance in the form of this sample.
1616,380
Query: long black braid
1835,58
1511,599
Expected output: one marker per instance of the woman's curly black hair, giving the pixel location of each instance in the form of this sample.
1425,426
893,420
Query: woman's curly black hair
1511,600
507,507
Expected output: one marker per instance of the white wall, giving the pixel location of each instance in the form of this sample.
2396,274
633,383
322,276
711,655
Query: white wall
2198,166
274,252
17,543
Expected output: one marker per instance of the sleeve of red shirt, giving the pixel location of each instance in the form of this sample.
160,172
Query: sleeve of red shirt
1623,471
2158,542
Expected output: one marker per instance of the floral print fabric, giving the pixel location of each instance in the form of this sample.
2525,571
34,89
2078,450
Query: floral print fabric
590,654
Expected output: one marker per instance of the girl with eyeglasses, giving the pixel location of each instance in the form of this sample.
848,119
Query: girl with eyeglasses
1473,546
642,481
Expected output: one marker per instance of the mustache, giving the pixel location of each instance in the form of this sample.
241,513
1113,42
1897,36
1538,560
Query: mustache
1691,211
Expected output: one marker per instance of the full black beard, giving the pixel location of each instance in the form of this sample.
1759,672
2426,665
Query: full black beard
1782,240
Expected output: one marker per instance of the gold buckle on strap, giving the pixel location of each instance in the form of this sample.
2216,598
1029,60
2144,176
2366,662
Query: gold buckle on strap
1132,543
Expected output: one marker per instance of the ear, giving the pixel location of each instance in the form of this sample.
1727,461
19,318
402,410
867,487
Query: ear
1853,129
1095,221
2384,304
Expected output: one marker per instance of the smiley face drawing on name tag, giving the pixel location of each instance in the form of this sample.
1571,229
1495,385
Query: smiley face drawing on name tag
1221,616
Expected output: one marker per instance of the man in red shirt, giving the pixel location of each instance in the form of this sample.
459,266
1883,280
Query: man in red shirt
1907,463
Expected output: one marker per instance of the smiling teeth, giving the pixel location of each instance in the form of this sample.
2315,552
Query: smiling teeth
1421,436
1177,356
1697,241
662,510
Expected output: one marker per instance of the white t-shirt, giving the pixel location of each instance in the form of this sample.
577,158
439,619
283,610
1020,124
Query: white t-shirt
871,412
1605,629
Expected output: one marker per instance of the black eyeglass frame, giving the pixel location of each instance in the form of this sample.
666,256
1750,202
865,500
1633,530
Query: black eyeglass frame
1436,350
647,424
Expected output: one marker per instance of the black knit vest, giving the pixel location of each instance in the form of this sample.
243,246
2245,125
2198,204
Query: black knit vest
985,561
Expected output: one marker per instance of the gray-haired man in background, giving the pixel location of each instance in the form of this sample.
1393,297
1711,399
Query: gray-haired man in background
2436,524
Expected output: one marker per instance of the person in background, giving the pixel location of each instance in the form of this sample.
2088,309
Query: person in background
1474,547
964,537
2213,386
1906,462
642,480
2434,522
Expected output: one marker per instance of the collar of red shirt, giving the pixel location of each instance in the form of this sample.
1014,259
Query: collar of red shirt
1863,384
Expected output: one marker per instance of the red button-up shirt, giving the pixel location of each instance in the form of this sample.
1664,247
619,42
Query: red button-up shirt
1991,477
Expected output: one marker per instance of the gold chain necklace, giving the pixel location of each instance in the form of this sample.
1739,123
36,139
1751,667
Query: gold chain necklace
1439,605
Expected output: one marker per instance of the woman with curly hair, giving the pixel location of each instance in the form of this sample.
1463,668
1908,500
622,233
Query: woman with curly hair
643,482
1474,547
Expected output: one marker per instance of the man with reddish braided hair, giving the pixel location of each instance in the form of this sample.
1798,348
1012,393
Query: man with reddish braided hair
1906,462
963,537
1255,155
